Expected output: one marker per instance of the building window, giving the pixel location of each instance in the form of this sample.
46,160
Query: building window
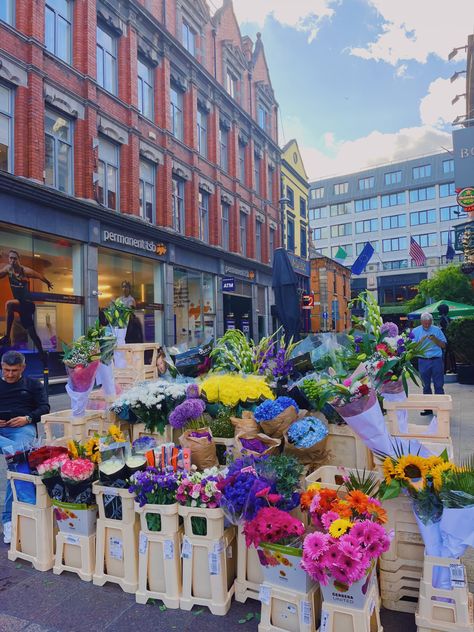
447,213
445,237
394,199
425,193
271,243
303,208
320,233
202,132
290,194
395,244
341,230
231,84
317,194
57,36
270,184
424,171
290,235
189,39
145,89
341,188
6,128
224,148
445,190
106,60
6,11
147,190
395,265
303,242
366,226
394,221
176,105
109,174
367,204
423,217
339,209
242,151
346,247
243,234
58,151
318,213
393,177
225,211
258,240
366,183
427,240
178,205
263,117
257,165
361,244
448,166
204,216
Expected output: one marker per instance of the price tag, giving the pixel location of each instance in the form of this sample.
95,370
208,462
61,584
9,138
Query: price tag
214,564
457,575
116,548
111,491
168,549
186,549
142,544
218,547
305,613
265,594
72,539
324,621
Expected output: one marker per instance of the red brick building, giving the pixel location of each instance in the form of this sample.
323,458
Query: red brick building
331,286
138,142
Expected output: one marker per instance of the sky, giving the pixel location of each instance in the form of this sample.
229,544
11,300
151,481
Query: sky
362,82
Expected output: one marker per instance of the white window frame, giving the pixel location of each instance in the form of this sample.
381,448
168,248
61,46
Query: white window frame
113,55
8,116
57,142
104,166
178,194
225,225
146,88
147,184
176,113
57,15
201,127
204,206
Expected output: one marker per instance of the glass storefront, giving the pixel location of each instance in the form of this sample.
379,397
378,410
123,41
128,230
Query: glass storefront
41,296
194,306
125,275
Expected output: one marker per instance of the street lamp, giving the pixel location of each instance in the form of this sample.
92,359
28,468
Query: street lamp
457,97
455,51
283,201
457,74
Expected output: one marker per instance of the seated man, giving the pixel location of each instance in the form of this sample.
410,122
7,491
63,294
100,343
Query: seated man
22,402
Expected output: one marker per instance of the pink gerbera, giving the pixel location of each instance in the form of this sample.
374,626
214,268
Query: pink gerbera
328,518
350,546
315,545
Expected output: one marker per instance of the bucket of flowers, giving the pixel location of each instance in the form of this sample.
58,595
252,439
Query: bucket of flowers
81,359
198,496
155,500
118,315
233,390
78,512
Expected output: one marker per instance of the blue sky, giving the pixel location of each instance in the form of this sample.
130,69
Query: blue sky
362,82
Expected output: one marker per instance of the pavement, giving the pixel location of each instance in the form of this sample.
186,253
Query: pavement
32,601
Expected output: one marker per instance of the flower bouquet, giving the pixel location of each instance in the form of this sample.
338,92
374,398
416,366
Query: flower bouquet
306,440
77,511
231,389
107,343
82,359
276,416
118,315
152,487
245,423
199,490
50,472
251,444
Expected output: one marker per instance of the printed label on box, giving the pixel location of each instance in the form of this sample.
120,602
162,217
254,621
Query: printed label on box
186,549
214,564
142,544
168,550
219,546
72,539
264,594
457,575
116,548
324,621
305,612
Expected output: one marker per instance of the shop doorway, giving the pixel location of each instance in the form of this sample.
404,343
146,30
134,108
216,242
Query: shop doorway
238,313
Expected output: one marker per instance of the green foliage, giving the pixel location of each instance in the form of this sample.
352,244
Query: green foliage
461,338
366,481
286,470
448,284
221,425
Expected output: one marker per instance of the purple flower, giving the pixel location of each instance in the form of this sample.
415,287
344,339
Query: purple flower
255,445
189,410
192,392
358,339
390,328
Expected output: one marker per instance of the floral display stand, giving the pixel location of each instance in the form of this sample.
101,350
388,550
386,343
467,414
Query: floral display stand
208,561
76,428
289,611
338,618
117,540
76,554
159,564
441,405
32,525
249,570
135,368
441,610
344,446
140,430
330,476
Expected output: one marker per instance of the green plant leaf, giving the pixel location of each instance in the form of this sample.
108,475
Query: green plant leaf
391,491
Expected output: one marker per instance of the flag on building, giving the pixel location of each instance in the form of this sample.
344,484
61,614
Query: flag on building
363,259
416,253
450,252
341,254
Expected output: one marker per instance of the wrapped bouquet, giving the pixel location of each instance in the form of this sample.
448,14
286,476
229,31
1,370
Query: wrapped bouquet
118,315
82,359
276,416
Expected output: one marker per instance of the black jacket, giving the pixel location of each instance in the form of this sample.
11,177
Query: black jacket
25,397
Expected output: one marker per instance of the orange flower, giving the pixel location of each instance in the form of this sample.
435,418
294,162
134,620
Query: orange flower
358,500
328,496
343,508
377,511
306,498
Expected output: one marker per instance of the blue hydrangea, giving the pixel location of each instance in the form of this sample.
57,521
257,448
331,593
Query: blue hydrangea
307,432
269,409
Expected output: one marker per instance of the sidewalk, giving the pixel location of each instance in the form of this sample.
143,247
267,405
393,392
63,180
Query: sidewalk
31,601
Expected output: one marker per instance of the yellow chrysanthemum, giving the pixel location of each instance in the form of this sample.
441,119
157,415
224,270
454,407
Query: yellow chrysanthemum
314,487
388,470
339,527
72,449
411,467
437,473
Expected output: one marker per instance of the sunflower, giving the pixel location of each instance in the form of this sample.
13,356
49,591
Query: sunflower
72,449
411,467
339,527
388,470
116,434
358,500
92,449
437,473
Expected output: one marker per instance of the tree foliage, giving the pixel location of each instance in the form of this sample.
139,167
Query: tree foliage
448,284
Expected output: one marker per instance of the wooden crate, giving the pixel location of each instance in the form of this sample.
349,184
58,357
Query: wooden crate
289,611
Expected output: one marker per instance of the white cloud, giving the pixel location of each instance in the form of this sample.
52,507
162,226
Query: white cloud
415,29
436,108
303,15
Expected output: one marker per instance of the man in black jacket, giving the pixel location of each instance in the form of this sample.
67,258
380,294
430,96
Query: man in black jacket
22,402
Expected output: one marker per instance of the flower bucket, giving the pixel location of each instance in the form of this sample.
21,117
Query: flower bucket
350,596
393,391
74,518
281,566
120,360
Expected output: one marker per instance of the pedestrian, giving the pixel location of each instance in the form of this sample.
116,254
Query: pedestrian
449,359
431,365
23,401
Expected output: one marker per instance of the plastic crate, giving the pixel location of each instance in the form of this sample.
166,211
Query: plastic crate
139,430
441,405
76,554
125,499
116,558
287,611
76,428
346,448
337,618
249,570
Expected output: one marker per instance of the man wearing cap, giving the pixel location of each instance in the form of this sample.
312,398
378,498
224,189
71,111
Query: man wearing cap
431,366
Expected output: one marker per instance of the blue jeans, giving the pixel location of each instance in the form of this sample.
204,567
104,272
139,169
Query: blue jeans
432,369
11,440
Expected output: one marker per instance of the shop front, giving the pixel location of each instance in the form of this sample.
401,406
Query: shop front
302,270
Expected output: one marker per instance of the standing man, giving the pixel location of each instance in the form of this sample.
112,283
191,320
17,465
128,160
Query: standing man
22,402
431,366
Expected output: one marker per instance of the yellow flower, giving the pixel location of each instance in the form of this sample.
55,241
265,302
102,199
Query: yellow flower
388,470
411,467
437,473
339,527
72,449
115,432
92,449
314,487
433,461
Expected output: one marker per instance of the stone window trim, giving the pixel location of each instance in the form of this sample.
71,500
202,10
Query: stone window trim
181,171
111,20
234,60
244,208
151,153
189,12
149,53
13,72
244,139
178,80
204,103
227,198
207,186
265,95
62,101
260,217
224,121
272,224
258,151
113,130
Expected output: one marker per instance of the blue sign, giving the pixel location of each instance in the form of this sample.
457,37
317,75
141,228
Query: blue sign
325,315
228,284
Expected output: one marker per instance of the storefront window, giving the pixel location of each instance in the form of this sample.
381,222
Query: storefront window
41,302
194,307
121,274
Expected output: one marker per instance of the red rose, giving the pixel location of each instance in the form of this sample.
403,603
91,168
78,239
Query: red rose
363,389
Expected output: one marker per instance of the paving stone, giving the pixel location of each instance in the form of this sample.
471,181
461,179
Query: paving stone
11,624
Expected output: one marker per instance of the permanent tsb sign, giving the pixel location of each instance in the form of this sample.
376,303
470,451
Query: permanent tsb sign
147,246
463,148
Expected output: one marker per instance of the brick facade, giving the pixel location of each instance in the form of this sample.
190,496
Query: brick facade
330,282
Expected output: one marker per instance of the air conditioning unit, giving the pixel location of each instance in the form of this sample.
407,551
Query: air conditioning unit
371,282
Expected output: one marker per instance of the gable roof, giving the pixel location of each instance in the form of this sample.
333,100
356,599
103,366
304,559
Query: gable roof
292,145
